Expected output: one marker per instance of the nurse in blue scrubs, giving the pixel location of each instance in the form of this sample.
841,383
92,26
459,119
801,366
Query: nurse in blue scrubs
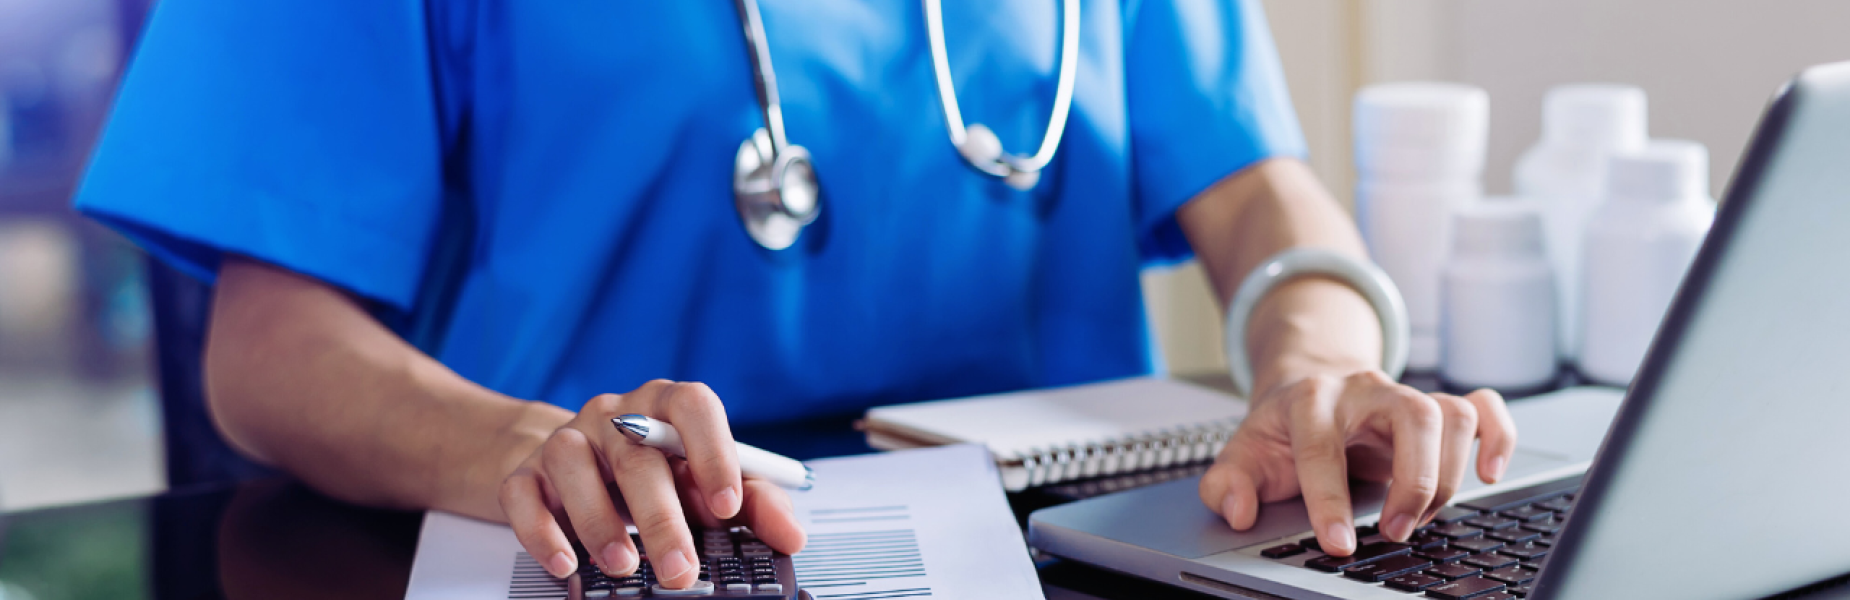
309,157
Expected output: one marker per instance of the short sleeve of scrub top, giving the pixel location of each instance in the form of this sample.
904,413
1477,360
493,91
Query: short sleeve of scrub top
595,141
191,166
1207,97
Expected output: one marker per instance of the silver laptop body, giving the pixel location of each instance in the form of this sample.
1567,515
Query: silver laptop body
1724,473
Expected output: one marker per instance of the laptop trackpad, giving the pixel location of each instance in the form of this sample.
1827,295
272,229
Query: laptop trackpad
1563,429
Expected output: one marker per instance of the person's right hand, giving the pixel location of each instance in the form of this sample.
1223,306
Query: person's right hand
565,487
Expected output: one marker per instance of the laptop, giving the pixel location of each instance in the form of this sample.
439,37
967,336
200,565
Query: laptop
1723,474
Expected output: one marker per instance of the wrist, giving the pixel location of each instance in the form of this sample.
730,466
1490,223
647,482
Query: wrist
1311,327
475,487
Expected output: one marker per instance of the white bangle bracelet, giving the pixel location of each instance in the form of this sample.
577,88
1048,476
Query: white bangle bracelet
1365,277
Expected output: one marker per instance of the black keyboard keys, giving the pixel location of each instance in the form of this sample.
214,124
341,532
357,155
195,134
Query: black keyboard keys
1548,525
1426,541
1284,551
1443,555
1365,554
1453,514
1413,582
1453,571
1490,561
1491,522
1527,513
1464,588
1475,545
1524,551
1513,535
1513,574
1456,531
1382,569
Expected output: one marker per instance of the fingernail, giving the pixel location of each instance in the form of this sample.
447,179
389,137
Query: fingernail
725,503
1339,535
618,560
672,565
1229,508
1400,526
561,565
1496,468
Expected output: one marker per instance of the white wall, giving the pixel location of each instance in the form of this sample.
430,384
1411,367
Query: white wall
1708,66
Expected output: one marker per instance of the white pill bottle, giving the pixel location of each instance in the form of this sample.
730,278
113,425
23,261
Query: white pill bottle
1419,153
1497,328
1639,242
1564,173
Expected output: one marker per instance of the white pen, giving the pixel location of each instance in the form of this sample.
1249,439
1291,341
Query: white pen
780,470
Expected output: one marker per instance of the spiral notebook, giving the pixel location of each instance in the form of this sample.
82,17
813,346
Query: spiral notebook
1048,436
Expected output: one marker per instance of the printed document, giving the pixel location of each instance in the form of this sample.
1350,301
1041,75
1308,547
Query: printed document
929,523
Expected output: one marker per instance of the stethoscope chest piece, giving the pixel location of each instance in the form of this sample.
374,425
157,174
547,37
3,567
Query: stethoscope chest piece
776,192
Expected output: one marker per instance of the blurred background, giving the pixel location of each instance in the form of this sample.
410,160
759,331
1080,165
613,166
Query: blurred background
78,412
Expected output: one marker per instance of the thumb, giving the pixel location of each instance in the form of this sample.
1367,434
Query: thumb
1231,489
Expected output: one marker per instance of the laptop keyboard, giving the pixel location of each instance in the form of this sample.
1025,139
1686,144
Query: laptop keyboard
1490,548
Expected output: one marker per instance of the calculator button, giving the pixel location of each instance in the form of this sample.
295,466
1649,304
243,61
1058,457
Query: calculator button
738,587
630,590
597,593
775,588
700,588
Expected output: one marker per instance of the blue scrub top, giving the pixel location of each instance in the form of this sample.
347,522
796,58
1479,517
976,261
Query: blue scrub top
595,141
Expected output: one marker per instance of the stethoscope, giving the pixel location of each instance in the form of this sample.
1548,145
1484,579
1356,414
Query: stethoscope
774,182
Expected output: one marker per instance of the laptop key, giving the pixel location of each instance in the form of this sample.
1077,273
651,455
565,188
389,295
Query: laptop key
1426,541
1283,551
1366,554
1475,545
1561,504
1491,522
1413,582
1310,543
1513,574
1525,551
1503,595
1453,571
1549,525
1443,555
1527,513
1469,587
1490,561
1382,569
1453,514
1521,591
1513,535
1456,531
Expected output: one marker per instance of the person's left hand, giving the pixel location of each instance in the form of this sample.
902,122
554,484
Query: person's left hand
1314,434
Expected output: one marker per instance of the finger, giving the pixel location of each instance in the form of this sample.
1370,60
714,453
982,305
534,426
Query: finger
1317,443
648,488
1496,433
1417,425
1454,449
697,414
571,464
768,511
534,525
693,503
1229,490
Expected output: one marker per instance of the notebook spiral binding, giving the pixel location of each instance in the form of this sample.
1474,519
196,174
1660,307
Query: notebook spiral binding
1129,454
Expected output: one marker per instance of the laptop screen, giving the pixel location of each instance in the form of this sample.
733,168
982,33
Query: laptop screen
1726,473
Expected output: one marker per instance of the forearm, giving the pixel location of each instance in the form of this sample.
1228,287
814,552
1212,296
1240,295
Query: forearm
1307,326
299,376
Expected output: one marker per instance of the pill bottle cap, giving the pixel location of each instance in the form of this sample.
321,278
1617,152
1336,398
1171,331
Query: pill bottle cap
1421,128
1497,226
1662,171
1595,115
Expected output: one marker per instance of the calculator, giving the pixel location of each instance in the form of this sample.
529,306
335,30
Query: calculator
733,564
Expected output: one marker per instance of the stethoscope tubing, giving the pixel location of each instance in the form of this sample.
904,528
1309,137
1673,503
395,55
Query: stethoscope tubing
1063,91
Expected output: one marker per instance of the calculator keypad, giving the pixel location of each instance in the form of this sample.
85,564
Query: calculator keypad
733,564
